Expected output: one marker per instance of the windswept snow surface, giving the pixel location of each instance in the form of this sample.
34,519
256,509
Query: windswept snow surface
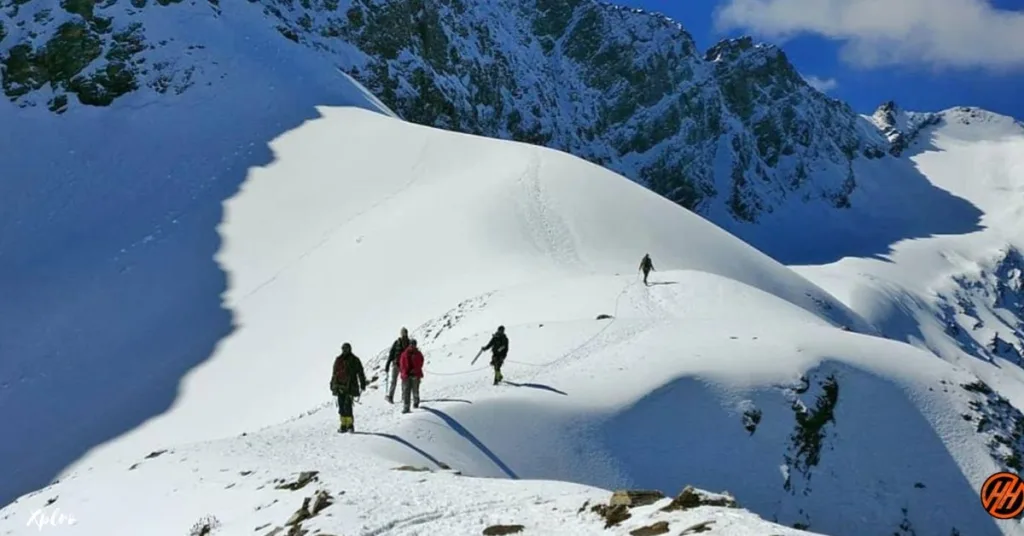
362,224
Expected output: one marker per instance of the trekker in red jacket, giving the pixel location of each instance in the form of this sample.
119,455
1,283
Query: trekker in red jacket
410,366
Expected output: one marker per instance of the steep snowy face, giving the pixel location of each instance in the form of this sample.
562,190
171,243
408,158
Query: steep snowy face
733,133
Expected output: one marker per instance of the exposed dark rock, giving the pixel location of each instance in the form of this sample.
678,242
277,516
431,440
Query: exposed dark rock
751,418
322,500
613,515
603,317
411,468
703,526
499,530
691,497
154,454
300,481
635,497
660,527
301,514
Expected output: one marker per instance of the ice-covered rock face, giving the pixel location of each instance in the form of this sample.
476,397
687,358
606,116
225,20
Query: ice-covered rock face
899,127
734,131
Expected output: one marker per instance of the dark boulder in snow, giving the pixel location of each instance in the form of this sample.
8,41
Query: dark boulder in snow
300,481
692,498
660,527
613,515
498,530
635,497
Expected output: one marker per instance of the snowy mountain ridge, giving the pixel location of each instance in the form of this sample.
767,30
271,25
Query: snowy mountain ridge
733,133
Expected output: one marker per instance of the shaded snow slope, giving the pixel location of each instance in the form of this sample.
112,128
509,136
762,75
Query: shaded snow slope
110,290
953,294
897,200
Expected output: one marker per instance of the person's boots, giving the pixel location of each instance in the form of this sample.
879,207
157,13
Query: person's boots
341,426
390,399
351,425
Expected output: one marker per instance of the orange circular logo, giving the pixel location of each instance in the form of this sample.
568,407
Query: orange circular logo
1002,495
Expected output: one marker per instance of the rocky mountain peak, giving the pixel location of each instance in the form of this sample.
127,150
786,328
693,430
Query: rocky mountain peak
735,131
899,127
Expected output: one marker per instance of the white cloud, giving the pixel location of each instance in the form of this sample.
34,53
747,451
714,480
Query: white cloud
937,33
823,85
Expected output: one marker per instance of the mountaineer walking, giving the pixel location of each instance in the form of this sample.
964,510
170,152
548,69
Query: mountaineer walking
646,266
498,346
347,382
410,365
391,368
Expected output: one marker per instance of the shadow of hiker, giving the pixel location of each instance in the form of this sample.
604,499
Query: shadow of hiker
412,447
462,431
657,283
460,400
537,386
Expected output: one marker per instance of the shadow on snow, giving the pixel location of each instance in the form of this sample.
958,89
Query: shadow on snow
111,293
406,443
893,201
880,453
537,386
468,436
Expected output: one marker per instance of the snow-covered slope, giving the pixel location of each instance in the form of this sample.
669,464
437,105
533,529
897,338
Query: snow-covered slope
362,223
959,295
230,235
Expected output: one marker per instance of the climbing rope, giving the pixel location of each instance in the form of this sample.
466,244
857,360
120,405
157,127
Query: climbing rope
564,356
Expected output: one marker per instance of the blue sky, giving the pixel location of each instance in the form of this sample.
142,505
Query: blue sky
926,55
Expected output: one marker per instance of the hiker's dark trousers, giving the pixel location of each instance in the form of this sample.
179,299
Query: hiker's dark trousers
410,390
345,404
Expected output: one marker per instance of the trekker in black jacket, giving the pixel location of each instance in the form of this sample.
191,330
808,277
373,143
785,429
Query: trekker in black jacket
646,265
499,350
347,382
391,368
